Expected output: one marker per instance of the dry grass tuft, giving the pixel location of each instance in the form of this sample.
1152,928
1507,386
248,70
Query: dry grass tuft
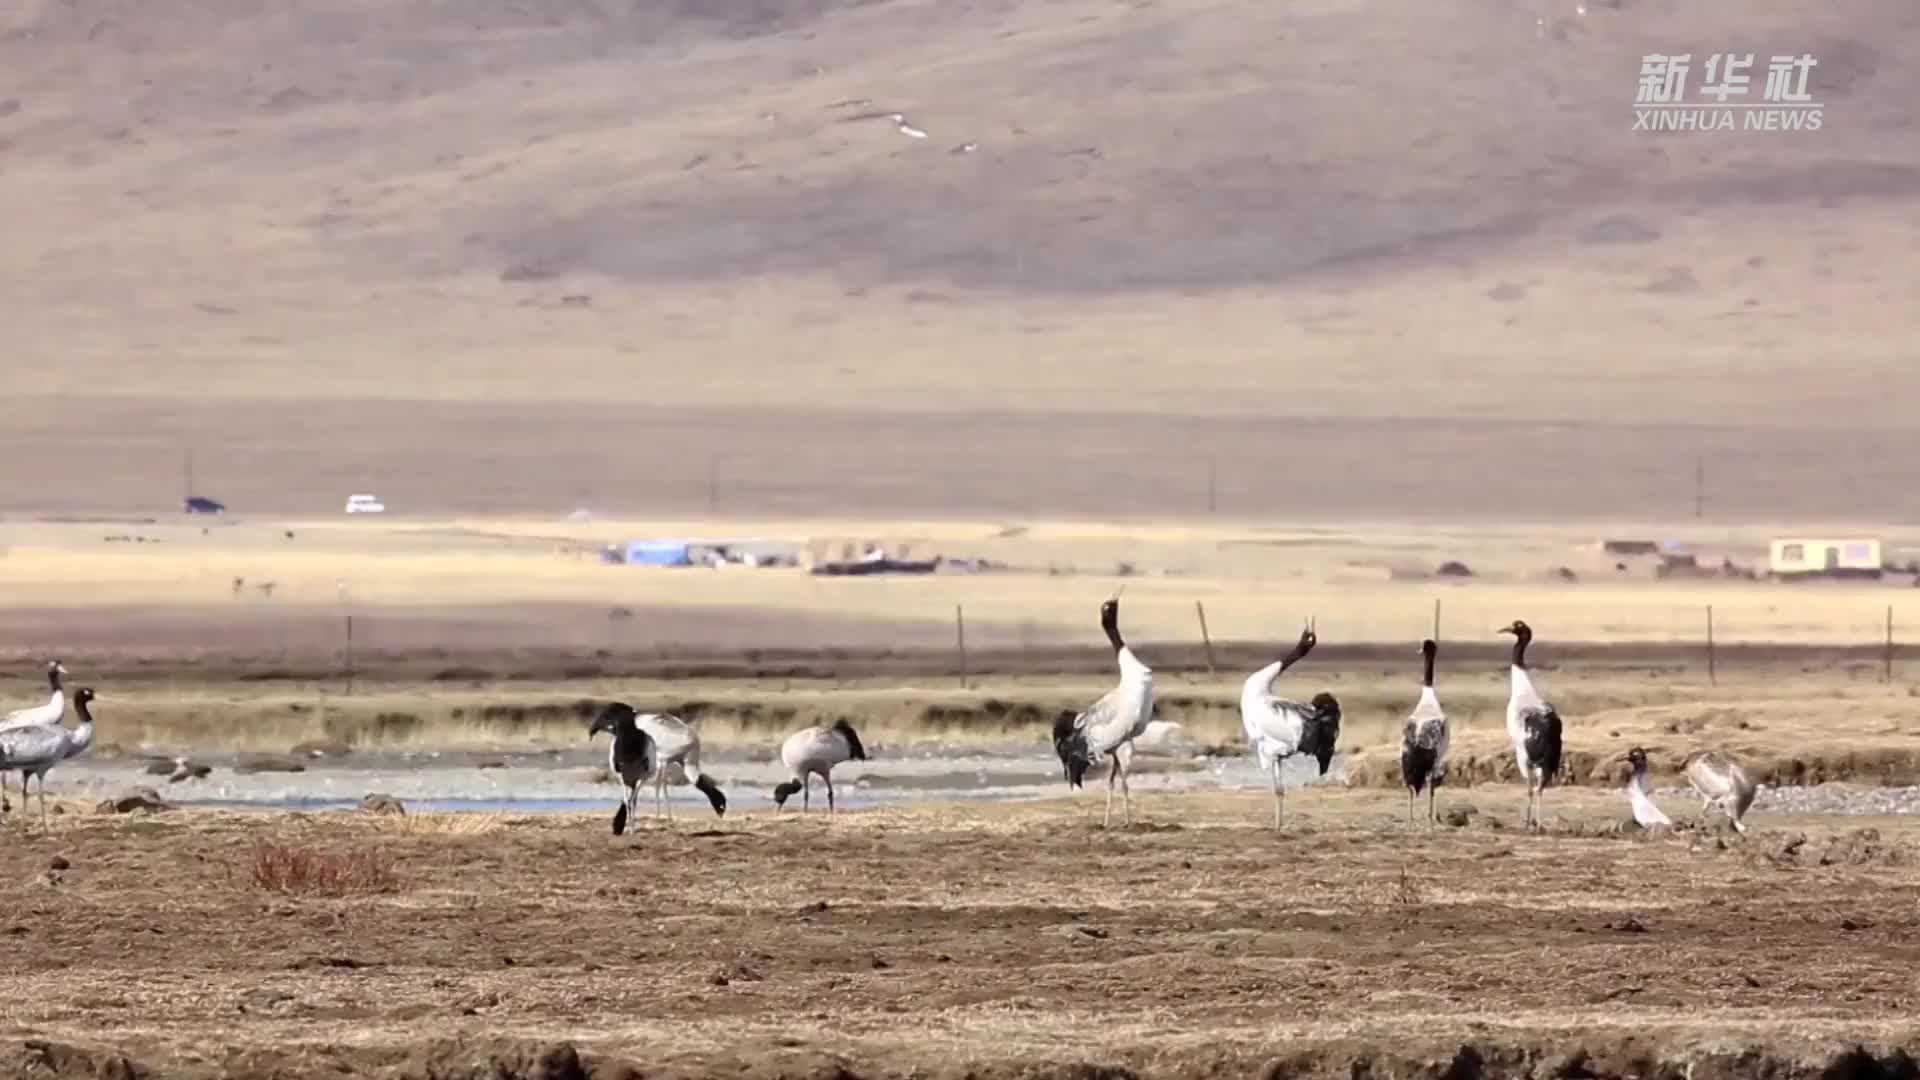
284,868
438,824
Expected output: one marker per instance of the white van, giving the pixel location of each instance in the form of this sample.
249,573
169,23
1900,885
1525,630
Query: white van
365,504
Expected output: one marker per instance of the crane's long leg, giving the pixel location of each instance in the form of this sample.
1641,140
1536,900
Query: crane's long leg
1126,795
1279,796
806,792
1112,775
43,803
1409,805
829,779
1433,815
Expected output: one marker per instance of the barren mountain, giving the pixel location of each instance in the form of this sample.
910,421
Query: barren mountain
572,224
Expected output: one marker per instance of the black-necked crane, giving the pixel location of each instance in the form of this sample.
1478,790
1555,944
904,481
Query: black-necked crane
631,756
814,751
1277,728
51,712
34,751
1533,725
675,742
1424,740
1108,727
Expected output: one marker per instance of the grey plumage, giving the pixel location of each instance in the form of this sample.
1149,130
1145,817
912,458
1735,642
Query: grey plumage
814,751
34,751
676,757
38,715
1721,781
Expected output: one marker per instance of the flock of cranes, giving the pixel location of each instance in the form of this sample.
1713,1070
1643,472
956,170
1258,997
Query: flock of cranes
661,748
647,747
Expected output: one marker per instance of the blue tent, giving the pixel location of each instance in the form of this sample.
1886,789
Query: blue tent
658,553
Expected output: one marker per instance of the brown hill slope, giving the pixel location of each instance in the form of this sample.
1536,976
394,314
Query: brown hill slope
1338,209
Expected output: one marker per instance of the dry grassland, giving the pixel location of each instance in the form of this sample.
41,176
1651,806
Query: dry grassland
496,633
1257,581
979,941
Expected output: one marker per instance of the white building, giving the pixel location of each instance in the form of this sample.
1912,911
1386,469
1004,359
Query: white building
1845,557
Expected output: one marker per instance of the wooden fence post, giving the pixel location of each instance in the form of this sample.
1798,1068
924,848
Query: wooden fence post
1206,639
1712,676
1887,675
960,637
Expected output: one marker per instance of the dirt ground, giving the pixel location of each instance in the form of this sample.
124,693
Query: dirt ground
964,941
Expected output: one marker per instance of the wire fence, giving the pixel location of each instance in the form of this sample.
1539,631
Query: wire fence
970,642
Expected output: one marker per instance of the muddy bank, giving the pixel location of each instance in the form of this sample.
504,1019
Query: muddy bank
1574,1055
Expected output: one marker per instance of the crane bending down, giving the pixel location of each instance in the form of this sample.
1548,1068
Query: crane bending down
52,712
1640,796
674,742
1720,781
1424,740
34,751
1108,726
1533,725
1277,728
631,756
815,751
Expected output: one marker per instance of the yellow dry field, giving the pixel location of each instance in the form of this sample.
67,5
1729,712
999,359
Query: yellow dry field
1359,582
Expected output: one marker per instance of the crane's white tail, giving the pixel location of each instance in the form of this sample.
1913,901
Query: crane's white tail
1071,744
713,793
